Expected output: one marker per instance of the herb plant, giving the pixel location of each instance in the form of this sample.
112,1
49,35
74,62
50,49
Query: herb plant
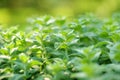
86,48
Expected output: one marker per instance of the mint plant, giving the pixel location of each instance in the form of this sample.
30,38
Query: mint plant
85,48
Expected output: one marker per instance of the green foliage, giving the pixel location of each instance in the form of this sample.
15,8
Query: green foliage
85,48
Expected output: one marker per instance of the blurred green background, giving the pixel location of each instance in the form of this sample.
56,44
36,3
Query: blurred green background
14,12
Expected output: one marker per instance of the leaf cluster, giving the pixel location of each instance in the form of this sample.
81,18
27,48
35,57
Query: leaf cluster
85,48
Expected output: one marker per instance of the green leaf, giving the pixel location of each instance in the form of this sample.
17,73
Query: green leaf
23,57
